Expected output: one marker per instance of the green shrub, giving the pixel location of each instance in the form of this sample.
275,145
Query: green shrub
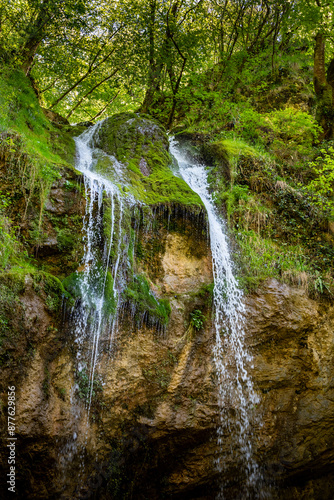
322,186
293,125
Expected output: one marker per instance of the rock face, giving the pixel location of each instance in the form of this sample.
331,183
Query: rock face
151,429
292,338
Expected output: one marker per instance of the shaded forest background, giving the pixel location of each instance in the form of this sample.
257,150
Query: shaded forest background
90,58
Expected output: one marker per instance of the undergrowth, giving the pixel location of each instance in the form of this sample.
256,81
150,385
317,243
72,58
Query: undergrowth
271,174
29,154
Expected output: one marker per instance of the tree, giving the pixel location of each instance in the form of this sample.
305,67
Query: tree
313,21
174,33
246,27
25,23
79,70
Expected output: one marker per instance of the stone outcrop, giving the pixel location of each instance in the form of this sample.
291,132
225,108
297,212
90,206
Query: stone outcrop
154,417
292,339
151,429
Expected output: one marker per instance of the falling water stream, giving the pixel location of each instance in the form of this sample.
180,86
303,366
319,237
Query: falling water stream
99,271
236,394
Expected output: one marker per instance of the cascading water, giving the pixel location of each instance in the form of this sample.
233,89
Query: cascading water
236,395
102,278
100,281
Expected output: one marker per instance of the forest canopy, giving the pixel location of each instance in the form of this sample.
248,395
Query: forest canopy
90,58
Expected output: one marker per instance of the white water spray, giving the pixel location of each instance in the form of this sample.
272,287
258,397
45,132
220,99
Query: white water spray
92,318
236,395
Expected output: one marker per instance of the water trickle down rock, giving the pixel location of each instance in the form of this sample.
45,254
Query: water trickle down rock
100,283
236,395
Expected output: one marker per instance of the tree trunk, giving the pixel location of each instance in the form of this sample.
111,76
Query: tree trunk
319,73
323,89
330,74
155,67
152,90
37,31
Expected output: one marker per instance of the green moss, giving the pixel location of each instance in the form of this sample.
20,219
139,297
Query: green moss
78,286
9,245
18,277
205,293
234,148
9,301
34,153
139,294
13,285
66,239
73,130
141,145
54,290
21,113
63,145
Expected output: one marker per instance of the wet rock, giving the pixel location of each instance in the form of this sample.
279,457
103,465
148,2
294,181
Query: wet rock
159,395
144,167
151,428
184,269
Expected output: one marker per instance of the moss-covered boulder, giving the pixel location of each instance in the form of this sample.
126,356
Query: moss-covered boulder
141,148
127,135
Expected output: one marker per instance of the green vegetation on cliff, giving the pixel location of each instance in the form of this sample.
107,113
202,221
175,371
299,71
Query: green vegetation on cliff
33,159
141,145
143,302
271,172
24,126
260,110
33,153
77,284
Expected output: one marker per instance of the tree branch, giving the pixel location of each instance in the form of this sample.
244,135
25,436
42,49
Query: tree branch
104,108
90,92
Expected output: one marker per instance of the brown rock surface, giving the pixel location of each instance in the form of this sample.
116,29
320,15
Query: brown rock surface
151,428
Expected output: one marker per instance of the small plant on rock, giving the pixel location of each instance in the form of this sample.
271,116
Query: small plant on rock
197,319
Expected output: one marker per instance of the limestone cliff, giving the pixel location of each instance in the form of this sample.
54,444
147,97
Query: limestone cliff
151,428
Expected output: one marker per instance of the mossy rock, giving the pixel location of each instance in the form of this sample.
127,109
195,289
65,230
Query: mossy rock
98,282
63,145
223,153
141,145
14,284
146,305
228,149
127,134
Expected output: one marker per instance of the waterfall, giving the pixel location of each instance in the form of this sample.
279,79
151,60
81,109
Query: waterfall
103,277
101,280
236,395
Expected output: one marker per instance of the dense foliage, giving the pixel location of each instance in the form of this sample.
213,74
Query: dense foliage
249,82
88,56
